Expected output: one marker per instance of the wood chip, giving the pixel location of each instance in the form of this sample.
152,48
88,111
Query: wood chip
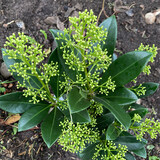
22,153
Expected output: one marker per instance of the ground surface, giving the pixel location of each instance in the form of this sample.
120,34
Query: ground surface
132,30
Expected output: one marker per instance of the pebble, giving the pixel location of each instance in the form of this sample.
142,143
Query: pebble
150,18
139,101
130,12
4,71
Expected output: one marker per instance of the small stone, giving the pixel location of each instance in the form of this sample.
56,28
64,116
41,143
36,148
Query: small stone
130,12
4,71
139,101
20,24
150,18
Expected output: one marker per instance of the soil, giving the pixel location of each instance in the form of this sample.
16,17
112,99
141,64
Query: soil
132,30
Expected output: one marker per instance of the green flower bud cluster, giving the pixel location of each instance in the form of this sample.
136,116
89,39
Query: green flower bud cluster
154,52
108,85
149,126
75,136
82,51
27,55
109,149
140,90
96,109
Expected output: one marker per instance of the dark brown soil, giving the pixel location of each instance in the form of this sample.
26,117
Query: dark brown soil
132,30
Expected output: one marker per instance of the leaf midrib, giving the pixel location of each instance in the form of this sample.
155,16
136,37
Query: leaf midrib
128,67
112,108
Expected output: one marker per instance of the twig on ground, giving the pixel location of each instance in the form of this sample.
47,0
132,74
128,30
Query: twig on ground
102,10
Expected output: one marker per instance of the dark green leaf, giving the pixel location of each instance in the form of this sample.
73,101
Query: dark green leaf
16,103
140,152
112,132
54,81
105,120
32,117
81,117
126,67
150,88
111,25
141,111
136,106
129,156
72,74
51,128
122,96
116,110
33,81
131,142
88,152
76,101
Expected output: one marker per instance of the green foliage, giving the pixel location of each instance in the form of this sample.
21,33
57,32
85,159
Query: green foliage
149,126
79,95
152,50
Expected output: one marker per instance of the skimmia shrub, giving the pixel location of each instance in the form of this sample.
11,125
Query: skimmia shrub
79,96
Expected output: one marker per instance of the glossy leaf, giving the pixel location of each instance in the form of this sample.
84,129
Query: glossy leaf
88,152
81,117
116,110
76,101
131,142
54,81
72,74
141,111
140,152
126,67
150,88
129,156
16,103
136,106
111,25
32,117
112,132
122,96
33,81
51,128
105,120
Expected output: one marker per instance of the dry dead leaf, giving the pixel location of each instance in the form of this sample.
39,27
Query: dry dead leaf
118,6
10,85
60,25
69,11
51,20
79,6
54,20
12,119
